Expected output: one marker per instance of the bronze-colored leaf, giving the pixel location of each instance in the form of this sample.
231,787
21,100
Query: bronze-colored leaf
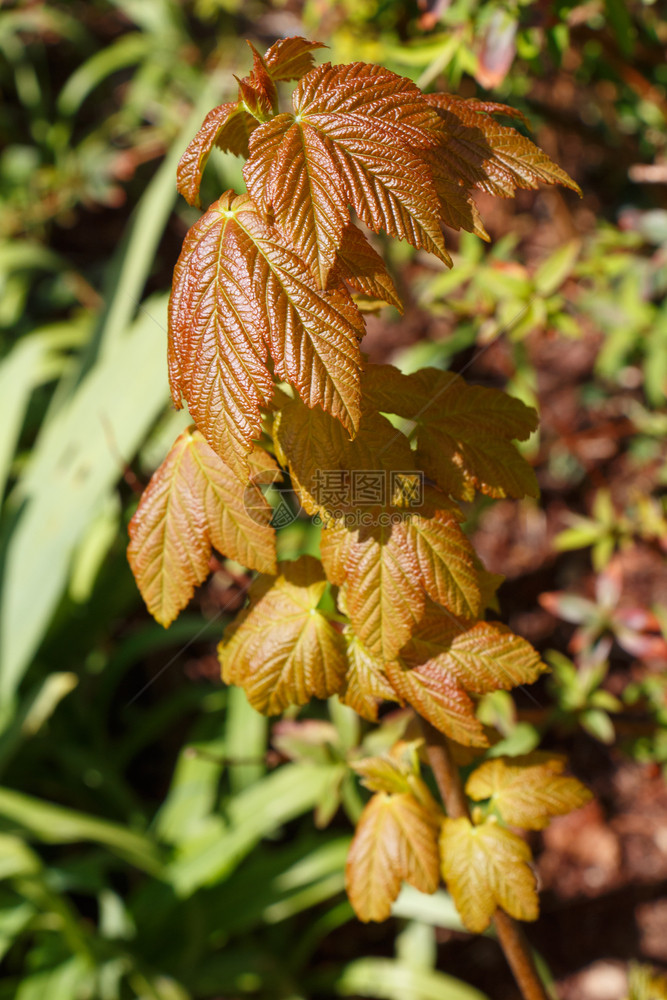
356,136
282,650
363,270
229,127
366,684
395,840
195,502
291,58
490,156
482,656
464,433
437,695
239,294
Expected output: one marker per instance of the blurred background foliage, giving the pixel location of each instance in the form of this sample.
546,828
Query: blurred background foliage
157,837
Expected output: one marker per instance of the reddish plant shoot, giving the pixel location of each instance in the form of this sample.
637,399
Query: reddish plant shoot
265,329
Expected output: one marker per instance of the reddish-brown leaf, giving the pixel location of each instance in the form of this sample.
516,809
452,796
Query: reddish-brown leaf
292,174
496,158
356,136
239,293
291,58
195,502
363,269
437,696
481,656
258,90
218,334
228,127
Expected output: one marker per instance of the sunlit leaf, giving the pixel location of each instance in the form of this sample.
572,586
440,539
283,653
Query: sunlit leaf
291,58
489,156
464,433
355,136
482,656
363,270
282,650
195,502
527,791
239,294
395,840
446,562
486,867
436,695
366,685
228,127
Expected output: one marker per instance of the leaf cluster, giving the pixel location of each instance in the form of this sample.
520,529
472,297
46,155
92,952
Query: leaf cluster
264,291
265,328
404,836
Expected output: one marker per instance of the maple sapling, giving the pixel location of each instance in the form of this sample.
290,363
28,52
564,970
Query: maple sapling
265,326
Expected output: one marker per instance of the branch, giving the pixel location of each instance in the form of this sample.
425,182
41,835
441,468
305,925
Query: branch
510,934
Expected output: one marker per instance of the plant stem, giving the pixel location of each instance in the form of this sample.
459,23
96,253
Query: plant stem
510,935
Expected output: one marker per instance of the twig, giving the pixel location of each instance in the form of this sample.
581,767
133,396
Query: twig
510,935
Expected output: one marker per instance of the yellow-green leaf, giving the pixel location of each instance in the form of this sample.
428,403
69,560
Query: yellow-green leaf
282,650
486,867
527,791
395,840
195,502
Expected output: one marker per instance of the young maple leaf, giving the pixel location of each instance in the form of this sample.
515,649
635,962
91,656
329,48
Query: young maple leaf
483,656
395,840
311,444
527,791
291,58
386,567
363,269
240,293
195,502
464,433
383,591
485,867
282,650
355,137
366,684
446,658
481,153
230,125
438,697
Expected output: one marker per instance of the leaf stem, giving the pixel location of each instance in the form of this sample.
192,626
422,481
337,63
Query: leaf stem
510,935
